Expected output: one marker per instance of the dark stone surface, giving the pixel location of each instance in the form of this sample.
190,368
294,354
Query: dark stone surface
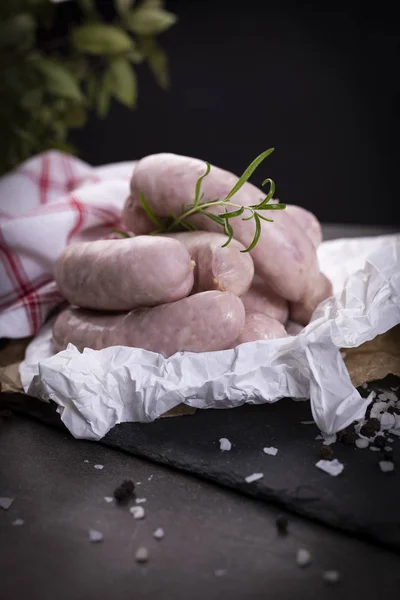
207,527
362,500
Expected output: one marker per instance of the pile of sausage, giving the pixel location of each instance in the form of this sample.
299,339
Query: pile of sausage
183,291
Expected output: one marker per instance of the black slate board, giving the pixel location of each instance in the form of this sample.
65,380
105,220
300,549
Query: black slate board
362,501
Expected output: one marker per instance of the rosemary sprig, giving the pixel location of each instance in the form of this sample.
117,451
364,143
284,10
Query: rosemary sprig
177,223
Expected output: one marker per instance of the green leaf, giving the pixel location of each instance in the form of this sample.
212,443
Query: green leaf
149,20
101,39
135,56
103,95
265,218
75,116
91,88
123,81
121,233
256,233
123,6
31,99
149,212
18,31
180,224
273,207
232,214
248,173
88,8
229,233
58,80
157,60
215,218
263,204
25,135
59,129
198,184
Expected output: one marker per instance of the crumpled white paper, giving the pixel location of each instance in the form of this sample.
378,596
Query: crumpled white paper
96,390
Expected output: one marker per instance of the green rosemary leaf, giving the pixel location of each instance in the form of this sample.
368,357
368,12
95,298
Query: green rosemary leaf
256,233
121,233
198,185
215,218
265,218
248,172
149,212
229,233
232,214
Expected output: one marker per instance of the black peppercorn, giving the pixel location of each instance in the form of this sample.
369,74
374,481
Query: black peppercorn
124,492
387,455
349,437
370,427
326,452
379,441
282,524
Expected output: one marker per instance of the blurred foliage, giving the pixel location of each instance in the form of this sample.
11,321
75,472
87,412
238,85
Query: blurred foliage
49,84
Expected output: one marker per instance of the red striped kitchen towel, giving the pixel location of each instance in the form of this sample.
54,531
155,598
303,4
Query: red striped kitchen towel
48,202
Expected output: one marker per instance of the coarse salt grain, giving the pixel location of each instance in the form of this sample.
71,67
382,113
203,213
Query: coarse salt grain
362,443
331,576
364,385
378,408
388,448
142,555
18,522
224,445
108,499
254,477
99,467
374,449
303,558
332,467
86,460
159,533
387,421
391,440
220,572
307,422
150,478
386,466
5,502
271,451
140,500
95,536
137,512
385,396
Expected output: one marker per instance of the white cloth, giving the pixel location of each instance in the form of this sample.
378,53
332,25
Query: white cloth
49,201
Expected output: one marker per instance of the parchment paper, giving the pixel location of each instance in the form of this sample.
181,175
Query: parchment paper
97,389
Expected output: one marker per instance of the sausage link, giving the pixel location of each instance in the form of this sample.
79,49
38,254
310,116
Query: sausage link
308,223
259,326
284,256
125,273
262,299
200,323
301,312
225,269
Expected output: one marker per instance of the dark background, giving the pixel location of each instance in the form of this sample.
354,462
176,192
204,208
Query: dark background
319,81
